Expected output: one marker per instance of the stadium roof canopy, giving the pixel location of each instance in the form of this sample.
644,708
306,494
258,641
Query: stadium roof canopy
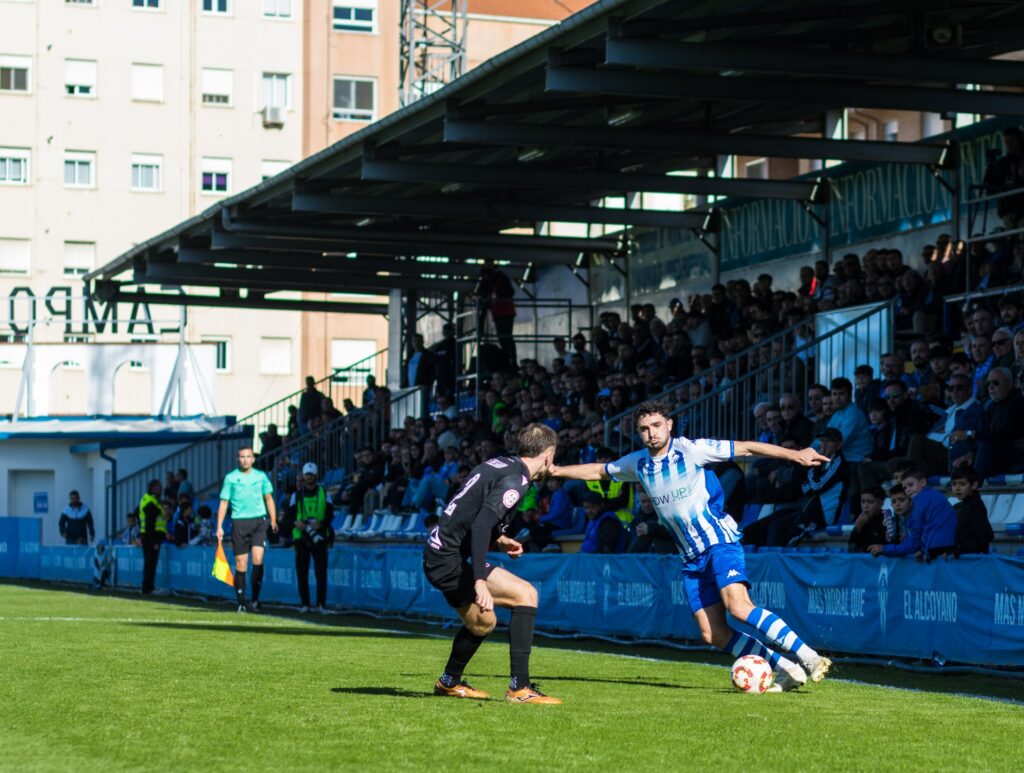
620,97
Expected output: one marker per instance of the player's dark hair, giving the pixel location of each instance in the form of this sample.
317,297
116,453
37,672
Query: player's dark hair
245,448
965,472
917,472
535,439
650,407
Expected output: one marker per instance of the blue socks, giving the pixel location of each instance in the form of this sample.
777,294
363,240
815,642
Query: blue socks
781,635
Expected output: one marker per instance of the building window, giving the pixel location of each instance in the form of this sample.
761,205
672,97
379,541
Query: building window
80,2
217,86
273,168
146,173
757,170
355,15
277,9
216,175
80,77
15,256
14,73
216,6
14,166
222,361
275,356
79,258
153,4
355,99
277,90
79,169
148,82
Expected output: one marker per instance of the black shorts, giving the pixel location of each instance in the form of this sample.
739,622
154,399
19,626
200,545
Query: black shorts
248,533
453,577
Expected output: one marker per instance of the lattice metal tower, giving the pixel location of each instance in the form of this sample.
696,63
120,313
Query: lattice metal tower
432,47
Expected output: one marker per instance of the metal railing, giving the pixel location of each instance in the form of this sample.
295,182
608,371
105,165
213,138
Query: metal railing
208,459
978,211
724,409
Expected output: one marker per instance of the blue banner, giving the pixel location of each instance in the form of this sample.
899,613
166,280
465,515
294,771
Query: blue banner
969,611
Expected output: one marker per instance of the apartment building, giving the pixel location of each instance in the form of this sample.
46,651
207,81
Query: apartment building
121,118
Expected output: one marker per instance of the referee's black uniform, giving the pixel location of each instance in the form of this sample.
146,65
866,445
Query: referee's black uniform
477,515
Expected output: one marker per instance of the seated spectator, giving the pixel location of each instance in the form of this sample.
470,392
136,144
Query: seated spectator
604,532
1018,362
930,531
938,450
901,506
866,386
984,360
872,526
368,474
783,481
618,497
646,534
207,527
1001,437
1002,347
102,565
794,423
555,513
909,418
183,526
850,421
130,534
973,530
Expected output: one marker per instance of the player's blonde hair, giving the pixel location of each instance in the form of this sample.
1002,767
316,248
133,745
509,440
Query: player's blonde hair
535,439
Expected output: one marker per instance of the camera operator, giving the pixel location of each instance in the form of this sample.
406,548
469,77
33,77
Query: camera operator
312,514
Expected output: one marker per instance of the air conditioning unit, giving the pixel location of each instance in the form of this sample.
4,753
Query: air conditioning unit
273,117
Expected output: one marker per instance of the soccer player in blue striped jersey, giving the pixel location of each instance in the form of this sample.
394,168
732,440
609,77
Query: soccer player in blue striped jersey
690,503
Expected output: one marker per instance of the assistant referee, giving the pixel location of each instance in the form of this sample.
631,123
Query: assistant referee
250,494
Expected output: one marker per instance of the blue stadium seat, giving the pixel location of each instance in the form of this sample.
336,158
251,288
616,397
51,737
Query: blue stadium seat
578,526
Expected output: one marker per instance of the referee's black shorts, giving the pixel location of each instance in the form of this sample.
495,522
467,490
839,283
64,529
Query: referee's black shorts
248,533
452,576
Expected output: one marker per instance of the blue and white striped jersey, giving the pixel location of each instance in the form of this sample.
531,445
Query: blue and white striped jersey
688,498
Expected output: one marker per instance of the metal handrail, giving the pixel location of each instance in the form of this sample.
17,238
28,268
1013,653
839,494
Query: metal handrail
721,368
725,411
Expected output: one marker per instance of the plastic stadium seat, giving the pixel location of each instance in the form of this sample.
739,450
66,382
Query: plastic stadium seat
989,500
356,525
998,515
997,480
398,525
345,524
1014,480
1015,514
578,525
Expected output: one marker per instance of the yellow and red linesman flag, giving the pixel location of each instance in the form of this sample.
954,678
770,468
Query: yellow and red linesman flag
221,567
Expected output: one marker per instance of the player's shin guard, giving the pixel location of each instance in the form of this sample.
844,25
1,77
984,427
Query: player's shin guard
781,635
240,587
257,581
463,649
520,641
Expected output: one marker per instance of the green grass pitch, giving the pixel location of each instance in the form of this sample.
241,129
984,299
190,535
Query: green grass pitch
107,682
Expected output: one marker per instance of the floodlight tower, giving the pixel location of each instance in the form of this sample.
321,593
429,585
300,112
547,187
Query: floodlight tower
432,46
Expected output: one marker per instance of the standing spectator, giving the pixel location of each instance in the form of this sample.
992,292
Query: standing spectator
604,532
930,531
496,292
420,365
293,422
850,421
185,485
1001,438
76,526
368,393
311,513
973,530
171,486
270,440
310,403
184,526
250,495
152,532
444,360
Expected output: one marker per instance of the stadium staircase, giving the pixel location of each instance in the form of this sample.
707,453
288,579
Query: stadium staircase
207,460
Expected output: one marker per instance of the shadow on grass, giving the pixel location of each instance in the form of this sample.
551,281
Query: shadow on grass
390,692
282,630
625,682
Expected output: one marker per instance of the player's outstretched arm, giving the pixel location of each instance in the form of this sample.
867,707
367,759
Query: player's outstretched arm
593,471
807,457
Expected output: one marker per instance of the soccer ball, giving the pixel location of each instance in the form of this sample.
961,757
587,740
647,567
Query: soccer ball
752,674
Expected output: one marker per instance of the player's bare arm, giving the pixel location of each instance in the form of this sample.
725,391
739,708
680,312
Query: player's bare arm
806,457
509,546
268,499
579,472
222,511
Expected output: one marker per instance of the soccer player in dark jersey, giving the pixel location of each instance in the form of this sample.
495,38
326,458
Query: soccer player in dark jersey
455,562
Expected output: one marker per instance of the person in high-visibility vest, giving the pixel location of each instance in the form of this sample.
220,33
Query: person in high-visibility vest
311,512
152,532
618,496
